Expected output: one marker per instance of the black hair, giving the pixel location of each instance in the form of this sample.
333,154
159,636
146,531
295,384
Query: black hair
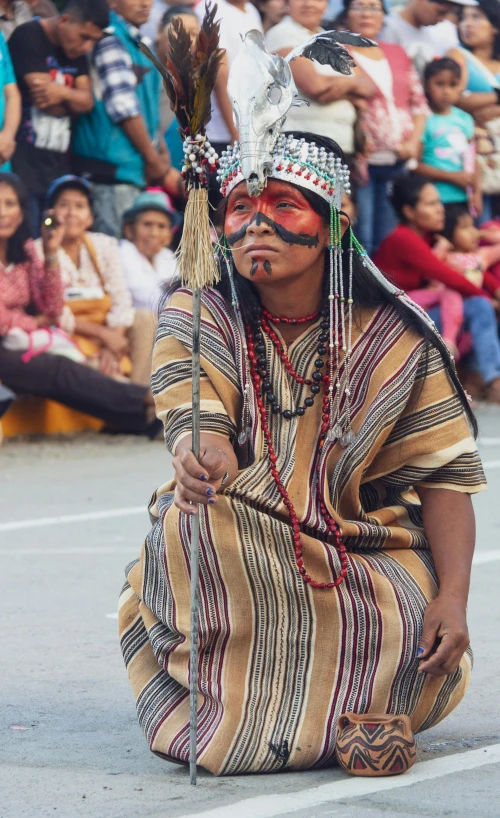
405,192
491,10
443,64
16,252
88,11
453,213
174,11
348,4
367,292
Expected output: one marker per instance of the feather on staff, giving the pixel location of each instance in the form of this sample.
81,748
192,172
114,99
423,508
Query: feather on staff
189,79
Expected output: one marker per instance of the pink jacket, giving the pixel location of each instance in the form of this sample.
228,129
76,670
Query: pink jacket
29,284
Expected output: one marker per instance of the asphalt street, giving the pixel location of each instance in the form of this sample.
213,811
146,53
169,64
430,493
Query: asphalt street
72,514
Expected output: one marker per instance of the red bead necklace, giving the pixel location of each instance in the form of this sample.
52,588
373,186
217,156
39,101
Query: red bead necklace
332,525
282,320
279,347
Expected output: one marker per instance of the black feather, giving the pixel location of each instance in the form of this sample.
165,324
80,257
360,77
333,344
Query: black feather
348,38
327,49
330,54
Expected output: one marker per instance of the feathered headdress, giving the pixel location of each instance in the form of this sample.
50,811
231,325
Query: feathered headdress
189,78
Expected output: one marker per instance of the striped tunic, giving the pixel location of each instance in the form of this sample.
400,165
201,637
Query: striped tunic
278,660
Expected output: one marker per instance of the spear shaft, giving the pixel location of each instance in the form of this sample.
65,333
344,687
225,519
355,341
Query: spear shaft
195,545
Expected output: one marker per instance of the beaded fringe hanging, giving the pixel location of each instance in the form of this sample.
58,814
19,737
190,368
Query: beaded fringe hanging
222,252
340,319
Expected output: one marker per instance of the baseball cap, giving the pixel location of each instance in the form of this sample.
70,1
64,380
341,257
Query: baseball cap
66,182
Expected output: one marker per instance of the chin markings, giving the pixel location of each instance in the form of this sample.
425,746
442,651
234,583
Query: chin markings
253,268
268,268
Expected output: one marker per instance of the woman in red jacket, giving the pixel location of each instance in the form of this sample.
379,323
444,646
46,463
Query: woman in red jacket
406,256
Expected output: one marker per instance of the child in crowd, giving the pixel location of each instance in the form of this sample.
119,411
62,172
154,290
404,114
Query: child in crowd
451,310
463,252
447,156
147,261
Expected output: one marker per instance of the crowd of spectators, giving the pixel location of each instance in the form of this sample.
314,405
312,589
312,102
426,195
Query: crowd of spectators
91,194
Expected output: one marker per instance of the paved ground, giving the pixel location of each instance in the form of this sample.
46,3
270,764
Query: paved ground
81,752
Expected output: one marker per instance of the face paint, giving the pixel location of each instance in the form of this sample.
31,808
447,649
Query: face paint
254,267
268,268
281,206
304,239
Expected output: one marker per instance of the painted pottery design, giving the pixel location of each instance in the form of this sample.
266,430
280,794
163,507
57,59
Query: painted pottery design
374,745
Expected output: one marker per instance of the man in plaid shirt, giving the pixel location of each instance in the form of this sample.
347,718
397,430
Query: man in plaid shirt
118,145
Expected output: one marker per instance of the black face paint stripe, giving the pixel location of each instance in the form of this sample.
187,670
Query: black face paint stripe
304,239
253,268
232,238
268,268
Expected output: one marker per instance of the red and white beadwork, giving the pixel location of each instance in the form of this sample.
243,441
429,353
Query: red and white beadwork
294,160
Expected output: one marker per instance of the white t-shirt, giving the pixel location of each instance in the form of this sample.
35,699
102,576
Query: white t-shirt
144,279
150,29
444,35
234,24
335,119
419,43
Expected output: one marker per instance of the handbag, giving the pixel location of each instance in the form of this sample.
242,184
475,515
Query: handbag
93,304
375,745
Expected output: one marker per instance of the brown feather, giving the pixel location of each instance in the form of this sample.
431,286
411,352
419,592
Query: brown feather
189,76
167,82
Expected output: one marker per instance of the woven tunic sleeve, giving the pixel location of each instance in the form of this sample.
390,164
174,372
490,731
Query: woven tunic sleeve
171,381
431,444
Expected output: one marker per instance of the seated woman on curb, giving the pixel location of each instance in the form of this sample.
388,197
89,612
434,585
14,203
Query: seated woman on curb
406,257
98,309
146,259
31,296
336,529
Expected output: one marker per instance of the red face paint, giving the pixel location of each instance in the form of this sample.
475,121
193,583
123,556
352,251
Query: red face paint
281,204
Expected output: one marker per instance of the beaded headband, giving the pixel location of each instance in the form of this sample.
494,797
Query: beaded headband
305,164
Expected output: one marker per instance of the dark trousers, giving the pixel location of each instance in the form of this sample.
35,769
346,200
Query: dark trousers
120,405
36,203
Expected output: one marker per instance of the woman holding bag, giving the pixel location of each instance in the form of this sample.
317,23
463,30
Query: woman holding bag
98,310
393,120
31,298
479,59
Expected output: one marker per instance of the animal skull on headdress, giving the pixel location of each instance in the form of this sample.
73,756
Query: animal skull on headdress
262,90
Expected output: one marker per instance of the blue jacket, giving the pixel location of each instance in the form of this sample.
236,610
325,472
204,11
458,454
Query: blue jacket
97,137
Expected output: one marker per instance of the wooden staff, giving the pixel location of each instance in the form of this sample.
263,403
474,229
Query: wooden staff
189,78
195,547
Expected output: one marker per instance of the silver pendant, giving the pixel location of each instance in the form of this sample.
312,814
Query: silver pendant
244,436
331,435
347,438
